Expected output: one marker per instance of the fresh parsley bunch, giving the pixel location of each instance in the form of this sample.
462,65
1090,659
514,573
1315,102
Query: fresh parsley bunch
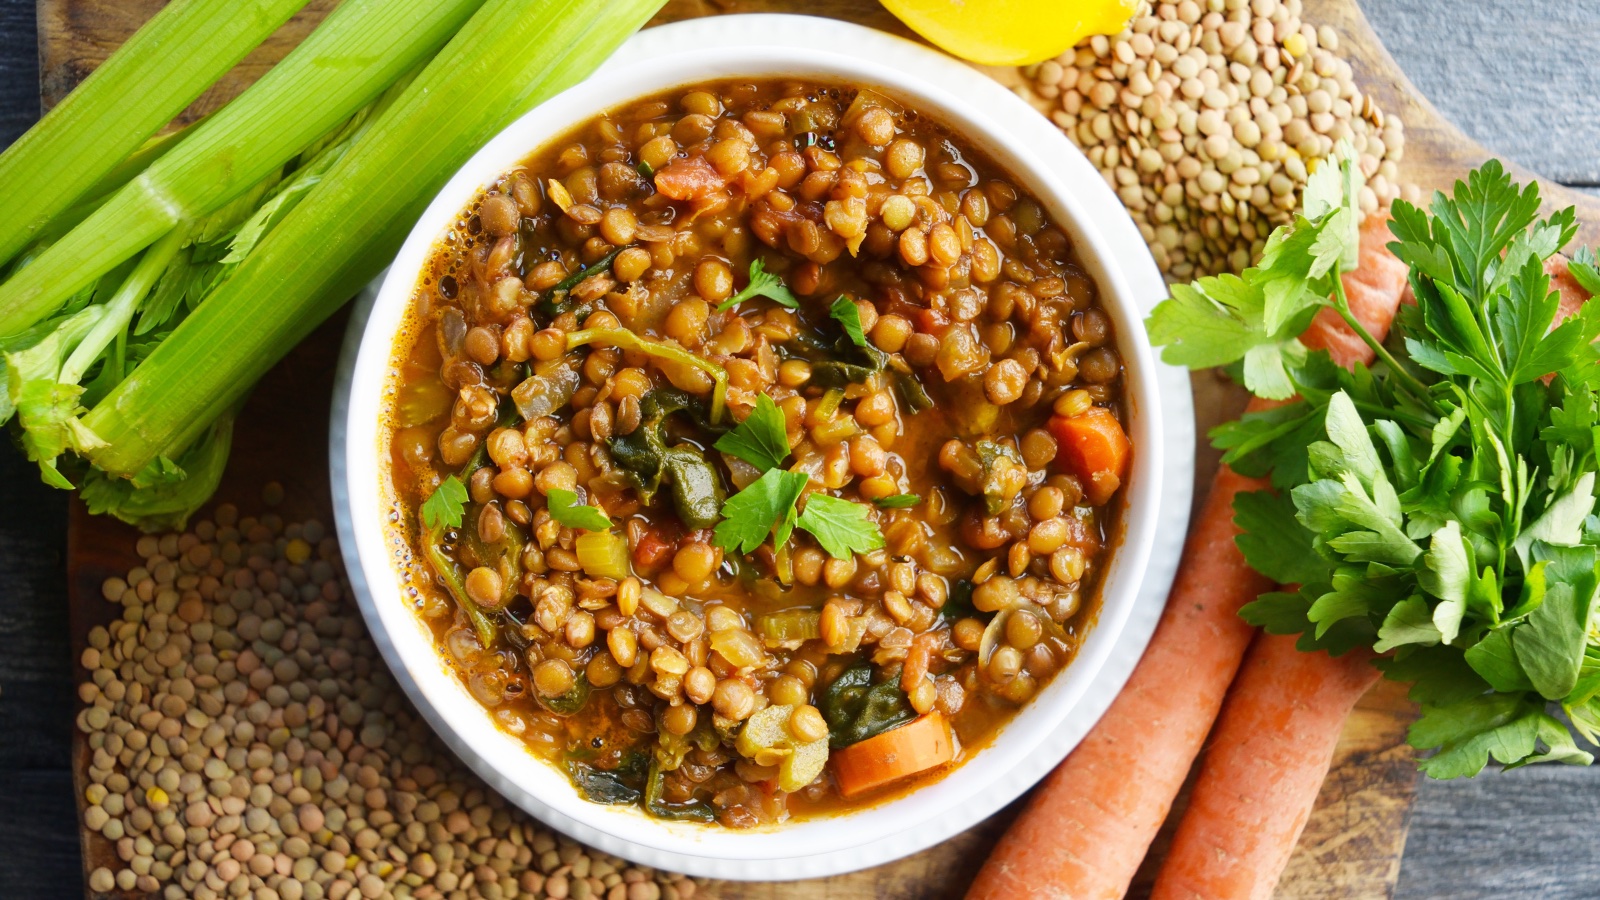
1436,507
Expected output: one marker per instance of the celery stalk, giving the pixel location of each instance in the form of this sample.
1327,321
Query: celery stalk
49,372
512,55
169,62
42,381
95,195
360,49
164,498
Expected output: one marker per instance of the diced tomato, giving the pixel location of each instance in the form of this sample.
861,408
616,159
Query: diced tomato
689,179
931,321
653,549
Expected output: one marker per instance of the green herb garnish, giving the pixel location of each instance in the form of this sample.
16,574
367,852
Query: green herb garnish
762,284
565,508
767,505
842,527
1437,507
764,507
762,439
446,505
844,312
899,501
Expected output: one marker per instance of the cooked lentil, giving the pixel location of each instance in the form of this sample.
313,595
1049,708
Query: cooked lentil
245,740
646,676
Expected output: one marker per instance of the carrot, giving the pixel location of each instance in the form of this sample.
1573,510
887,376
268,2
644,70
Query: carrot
917,746
1095,448
1088,826
1259,780
1572,293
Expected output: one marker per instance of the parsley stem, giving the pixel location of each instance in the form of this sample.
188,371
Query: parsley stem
1341,304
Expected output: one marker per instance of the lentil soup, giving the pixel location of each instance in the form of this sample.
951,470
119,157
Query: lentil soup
758,447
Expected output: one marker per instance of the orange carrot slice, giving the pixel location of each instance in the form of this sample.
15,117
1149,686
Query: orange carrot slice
919,745
1095,448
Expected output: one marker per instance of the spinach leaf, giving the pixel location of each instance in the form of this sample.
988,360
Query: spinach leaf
836,359
695,486
958,603
913,396
624,785
655,805
857,709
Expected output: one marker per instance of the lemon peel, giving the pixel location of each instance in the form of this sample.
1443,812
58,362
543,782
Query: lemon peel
1011,32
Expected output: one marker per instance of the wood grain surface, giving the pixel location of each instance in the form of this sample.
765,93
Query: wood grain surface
1353,844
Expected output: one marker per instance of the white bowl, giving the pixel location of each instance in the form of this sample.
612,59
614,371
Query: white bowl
1136,582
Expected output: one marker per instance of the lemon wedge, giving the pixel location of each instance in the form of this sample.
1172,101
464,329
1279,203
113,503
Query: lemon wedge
1011,32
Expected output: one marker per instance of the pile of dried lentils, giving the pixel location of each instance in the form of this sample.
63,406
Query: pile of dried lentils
247,741
1206,117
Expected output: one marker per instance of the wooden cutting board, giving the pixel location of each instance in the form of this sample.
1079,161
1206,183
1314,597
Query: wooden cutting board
1353,842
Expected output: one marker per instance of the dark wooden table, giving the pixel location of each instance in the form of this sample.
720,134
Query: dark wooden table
1517,75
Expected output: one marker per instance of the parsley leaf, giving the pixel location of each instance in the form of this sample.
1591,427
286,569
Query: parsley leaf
844,312
1585,270
898,501
1464,238
842,527
762,439
446,505
1256,317
565,508
1219,320
1273,542
762,284
1468,733
765,506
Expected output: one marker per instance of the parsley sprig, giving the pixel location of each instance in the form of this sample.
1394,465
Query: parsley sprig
770,505
1438,506
762,284
566,508
762,439
845,312
842,527
446,506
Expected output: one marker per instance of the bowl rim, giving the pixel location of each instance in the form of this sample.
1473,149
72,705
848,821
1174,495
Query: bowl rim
769,46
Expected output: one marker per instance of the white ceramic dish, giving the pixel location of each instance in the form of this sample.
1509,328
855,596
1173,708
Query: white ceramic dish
1136,584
